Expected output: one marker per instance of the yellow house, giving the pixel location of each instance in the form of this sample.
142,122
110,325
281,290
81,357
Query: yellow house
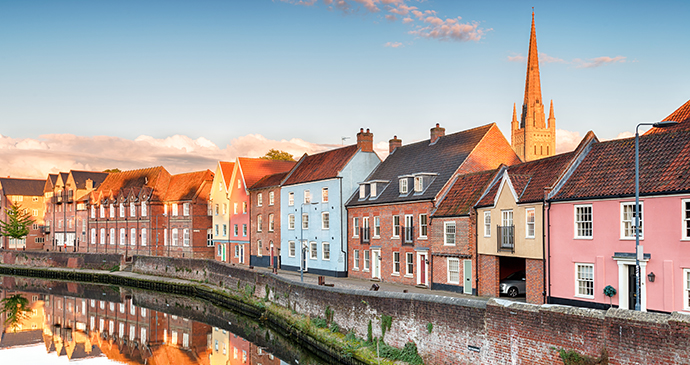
219,203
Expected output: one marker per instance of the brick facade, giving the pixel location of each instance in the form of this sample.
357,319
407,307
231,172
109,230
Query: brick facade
269,253
534,276
489,274
462,250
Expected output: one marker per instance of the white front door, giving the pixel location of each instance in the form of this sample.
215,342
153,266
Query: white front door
626,283
376,269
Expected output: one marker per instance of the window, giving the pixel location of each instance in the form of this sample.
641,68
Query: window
102,238
259,199
529,221
185,209
362,191
234,208
175,236
225,230
209,238
291,198
185,340
418,184
403,186
236,230
396,263
326,251
112,236
355,260
185,236
377,227
449,233
259,252
165,209
324,195
355,227
423,225
122,210
259,223
34,212
239,183
123,237
244,230
143,237
291,221
133,236
132,210
101,211
313,254
174,209
307,197
583,221
217,231
225,208
271,198
93,211
686,284
305,220
291,246
396,226
366,260
271,224
628,220
409,229
237,250
686,219
453,270
584,280
244,207
165,237
144,210
410,264
372,189
365,229
325,224
487,224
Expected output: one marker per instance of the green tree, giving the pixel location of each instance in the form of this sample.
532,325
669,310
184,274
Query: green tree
16,309
112,170
17,222
278,155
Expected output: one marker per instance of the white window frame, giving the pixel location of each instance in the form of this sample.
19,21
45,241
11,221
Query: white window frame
623,221
578,222
377,227
305,220
185,209
685,219
101,211
133,236
132,210
446,226
271,198
291,221
367,260
324,195
355,227
578,294
423,226
372,190
325,251
143,236
244,230
355,260
185,237
175,237
123,237
291,248
396,263
122,210
307,197
686,289
271,223
112,236
362,191
174,209
418,184
409,264
325,220
313,250
402,186
101,239
450,272
291,198
396,226
487,224
259,223
259,200
234,208
532,223
144,210
93,212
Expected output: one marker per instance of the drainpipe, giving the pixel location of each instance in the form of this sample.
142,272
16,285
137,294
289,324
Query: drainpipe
543,244
343,233
549,251
476,248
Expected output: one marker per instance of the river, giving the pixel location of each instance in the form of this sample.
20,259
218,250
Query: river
101,324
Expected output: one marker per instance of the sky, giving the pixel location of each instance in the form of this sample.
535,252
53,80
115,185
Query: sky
130,84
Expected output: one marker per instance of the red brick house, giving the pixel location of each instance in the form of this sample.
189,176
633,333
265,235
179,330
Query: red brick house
389,217
150,212
28,195
265,220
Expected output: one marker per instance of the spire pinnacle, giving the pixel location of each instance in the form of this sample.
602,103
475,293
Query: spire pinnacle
514,113
551,116
532,82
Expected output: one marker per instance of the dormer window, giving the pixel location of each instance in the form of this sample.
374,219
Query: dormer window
403,186
372,190
362,191
418,184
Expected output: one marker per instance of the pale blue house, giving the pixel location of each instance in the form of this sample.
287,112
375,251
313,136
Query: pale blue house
313,216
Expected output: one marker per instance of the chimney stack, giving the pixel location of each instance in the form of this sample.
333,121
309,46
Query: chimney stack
437,132
365,140
394,143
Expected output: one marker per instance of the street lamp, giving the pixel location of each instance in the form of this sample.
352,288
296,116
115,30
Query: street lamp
301,239
639,251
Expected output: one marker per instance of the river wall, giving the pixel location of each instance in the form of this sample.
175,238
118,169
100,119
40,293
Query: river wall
455,330
75,260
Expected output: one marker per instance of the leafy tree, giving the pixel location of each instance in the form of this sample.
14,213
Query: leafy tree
16,309
112,170
278,155
17,223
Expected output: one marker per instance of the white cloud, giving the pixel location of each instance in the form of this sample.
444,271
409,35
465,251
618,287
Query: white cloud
516,58
544,58
599,61
52,153
393,44
567,141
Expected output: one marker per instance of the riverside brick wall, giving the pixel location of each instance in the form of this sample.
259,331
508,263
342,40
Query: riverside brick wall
464,331
96,261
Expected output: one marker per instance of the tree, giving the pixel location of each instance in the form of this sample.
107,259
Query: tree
17,222
112,170
16,309
278,155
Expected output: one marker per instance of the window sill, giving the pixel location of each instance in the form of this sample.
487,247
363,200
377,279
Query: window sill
630,238
424,238
584,238
355,269
365,270
583,296
454,282
395,274
409,276
449,244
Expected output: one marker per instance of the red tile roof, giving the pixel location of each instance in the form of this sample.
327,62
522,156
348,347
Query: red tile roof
681,115
124,182
226,169
609,168
269,181
464,193
253,169
187,186
324,165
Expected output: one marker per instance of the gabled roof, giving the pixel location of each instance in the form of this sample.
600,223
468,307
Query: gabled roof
226,169
253,169
50,183
464,193
680,115
25,187
441,158
609,168
320,166
187,186
269,181
119,184
80,178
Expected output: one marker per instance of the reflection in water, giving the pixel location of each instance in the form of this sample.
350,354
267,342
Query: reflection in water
138,327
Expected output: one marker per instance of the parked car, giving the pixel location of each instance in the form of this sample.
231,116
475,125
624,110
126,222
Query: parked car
514,284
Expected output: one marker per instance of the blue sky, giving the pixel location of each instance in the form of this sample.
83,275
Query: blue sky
221,70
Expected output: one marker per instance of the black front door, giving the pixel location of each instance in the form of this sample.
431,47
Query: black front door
632,292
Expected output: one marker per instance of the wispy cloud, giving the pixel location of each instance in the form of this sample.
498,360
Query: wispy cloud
425,23
567,141
61,152
599,61
393,44
517,58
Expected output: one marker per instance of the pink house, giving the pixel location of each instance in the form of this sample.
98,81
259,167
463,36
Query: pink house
591,235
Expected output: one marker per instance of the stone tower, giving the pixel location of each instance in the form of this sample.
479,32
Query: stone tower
531,137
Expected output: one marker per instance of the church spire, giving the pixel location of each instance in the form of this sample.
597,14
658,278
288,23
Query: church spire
530,106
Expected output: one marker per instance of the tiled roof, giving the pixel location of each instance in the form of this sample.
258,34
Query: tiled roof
80,178
269,181
464,193
609,168
125,182
25,187
226,168
320,166
185,186
442,158
50,183
530,178
253,169
681,115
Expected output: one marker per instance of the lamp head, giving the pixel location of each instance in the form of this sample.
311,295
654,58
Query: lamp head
664,123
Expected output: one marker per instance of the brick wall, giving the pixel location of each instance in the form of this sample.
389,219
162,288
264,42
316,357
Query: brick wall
534,278
489,272
60,259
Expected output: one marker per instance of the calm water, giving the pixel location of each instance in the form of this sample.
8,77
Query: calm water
97,324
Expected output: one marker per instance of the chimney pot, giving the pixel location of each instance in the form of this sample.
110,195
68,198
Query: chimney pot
393,144
365,140
437,133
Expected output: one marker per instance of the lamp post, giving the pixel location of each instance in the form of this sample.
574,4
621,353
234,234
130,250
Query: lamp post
639,251
301,239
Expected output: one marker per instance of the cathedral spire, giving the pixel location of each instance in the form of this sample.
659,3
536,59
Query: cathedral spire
551,116
530,106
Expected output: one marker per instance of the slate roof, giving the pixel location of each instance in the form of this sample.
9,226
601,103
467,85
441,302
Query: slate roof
321,166
681,115
464,193
443,158
226,168
185,186
609,168
25,187
50,183
269,181
253,169
80,178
